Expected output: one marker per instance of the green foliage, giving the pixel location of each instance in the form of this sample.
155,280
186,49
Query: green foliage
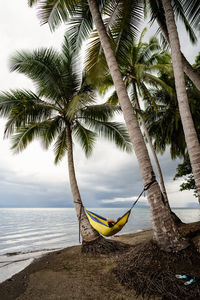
166,129
164,124
184,11
184,170
197,63
60,146
64,102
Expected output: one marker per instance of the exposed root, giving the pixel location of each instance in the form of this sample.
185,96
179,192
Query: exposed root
103,246
151,271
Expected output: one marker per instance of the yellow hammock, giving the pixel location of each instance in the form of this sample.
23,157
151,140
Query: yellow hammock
101,225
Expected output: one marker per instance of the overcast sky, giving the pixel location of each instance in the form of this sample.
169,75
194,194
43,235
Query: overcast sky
30,179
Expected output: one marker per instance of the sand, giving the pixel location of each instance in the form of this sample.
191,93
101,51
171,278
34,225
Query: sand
69,274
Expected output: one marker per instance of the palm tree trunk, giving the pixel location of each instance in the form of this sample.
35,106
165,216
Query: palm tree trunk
88,234
188,69
186,117
165,231
162,185
176,219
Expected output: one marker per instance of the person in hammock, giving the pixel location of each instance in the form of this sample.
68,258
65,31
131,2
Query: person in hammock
111,222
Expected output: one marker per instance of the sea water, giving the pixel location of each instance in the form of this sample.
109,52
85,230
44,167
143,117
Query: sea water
29,233
36,229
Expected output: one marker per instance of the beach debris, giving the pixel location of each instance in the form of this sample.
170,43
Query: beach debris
150,272
190,279
103,246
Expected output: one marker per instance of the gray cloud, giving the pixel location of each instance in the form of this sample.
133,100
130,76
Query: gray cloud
107,175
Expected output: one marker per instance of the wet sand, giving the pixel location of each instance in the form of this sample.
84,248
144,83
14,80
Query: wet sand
68,274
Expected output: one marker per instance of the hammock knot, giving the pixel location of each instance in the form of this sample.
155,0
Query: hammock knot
147,186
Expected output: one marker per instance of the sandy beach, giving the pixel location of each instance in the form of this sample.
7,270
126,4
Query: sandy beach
69,274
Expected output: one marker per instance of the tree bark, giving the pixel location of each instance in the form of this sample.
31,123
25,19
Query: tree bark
88,234
186,117
164,229
162,185
188,69
175,218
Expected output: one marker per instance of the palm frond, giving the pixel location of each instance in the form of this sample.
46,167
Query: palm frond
43,67
80,25
54,12
113,131
104,84
159,83
21,107
85,137
125,23
113,99
101,112
25,135
192,11
148,96
179,11
78,102
52,129
60,146
94,58
180,8
32,2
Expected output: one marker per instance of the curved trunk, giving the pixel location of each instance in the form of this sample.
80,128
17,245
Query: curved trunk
87,232
162,185
186,117
165,231
188,69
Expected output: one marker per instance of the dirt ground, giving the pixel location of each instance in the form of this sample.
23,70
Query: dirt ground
69,274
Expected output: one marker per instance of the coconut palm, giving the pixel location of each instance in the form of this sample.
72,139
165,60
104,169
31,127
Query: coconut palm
124,17
138,65
51,12
191,137
144,59
164,123
61,111
188,13
165,127
165,231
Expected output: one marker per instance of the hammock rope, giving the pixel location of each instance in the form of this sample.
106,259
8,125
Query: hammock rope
100,223
146,187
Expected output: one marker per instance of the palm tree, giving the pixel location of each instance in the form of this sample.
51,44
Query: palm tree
124,17
188,13
165,127
164,123
186,117
165,231
61,111
138,64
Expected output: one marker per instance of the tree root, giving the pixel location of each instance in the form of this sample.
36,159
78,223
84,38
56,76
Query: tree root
151,271
103,246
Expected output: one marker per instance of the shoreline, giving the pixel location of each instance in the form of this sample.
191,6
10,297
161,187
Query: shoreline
15,262
68,274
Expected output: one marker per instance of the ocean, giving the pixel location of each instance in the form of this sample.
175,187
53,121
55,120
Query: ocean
36,229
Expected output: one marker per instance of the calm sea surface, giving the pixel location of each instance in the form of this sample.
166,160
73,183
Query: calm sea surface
34,229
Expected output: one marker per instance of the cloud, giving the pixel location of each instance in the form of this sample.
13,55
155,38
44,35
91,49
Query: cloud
30,179
125,199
